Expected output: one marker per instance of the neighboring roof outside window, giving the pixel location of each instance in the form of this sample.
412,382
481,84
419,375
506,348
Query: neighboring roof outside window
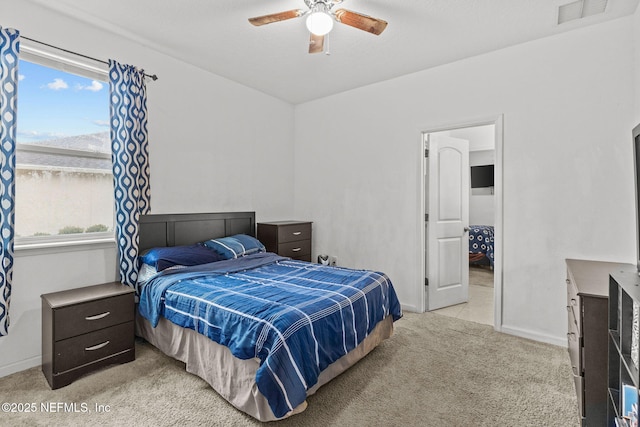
81,152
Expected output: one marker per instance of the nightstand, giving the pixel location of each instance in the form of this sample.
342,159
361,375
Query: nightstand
85,329
287,238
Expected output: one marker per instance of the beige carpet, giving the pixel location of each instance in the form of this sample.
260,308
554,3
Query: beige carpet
434,371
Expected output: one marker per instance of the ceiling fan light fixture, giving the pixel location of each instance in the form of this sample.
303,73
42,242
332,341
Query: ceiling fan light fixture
319,22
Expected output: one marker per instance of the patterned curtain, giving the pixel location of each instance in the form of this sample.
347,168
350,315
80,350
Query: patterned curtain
130,155
9,49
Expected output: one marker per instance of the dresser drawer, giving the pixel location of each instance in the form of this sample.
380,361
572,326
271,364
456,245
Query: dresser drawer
295,249
574,304
81,318
294,232
574,347
83,349
578,381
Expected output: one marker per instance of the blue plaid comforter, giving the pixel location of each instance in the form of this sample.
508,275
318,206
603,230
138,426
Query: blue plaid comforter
296,317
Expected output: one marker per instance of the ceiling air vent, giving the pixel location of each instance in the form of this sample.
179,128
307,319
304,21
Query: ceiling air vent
580,9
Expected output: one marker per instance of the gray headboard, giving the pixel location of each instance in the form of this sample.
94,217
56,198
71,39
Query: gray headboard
184,229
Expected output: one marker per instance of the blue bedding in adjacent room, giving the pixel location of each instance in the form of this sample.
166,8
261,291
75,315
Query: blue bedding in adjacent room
481,240
296,317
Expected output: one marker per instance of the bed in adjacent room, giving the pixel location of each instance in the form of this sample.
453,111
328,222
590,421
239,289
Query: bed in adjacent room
481,244
263,330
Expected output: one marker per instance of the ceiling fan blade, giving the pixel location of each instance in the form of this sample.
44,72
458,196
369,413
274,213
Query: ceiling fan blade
316,43
360,21
276,17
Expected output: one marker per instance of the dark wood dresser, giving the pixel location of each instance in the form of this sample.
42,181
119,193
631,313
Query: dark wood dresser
624,338
85,329
587,336
287,238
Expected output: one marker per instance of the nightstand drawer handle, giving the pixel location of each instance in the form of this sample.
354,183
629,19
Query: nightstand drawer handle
297,233
98,316
296,249
97,346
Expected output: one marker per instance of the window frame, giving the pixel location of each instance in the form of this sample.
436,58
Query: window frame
48,57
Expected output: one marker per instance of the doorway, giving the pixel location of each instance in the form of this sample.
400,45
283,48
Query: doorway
483,191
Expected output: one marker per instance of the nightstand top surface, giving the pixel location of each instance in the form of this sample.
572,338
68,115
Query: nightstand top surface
87,293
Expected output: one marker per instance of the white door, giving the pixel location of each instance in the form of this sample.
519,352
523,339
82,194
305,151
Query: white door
447,207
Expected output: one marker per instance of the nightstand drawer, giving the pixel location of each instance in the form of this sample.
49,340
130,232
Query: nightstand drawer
90,316
287,238
294,232
295,249
83,349
84,329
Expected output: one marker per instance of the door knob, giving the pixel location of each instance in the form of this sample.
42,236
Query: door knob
466,229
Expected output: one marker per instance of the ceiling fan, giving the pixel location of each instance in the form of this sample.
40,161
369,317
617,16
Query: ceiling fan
320,17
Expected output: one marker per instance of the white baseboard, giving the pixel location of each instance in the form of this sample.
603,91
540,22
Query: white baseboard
410,308
512,330
533,335
20,366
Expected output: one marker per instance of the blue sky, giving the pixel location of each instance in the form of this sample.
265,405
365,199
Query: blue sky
54,104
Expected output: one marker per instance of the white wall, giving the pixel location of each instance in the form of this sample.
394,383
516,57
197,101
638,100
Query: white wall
568,109
482,200
481,142
482,151
215,146
479,137
567,103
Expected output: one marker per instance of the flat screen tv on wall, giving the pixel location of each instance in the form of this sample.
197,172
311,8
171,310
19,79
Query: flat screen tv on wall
636,164
482,176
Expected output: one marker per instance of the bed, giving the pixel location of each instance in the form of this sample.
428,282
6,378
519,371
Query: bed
264,331
481,244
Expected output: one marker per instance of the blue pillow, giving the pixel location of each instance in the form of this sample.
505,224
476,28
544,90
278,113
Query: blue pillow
162,258
235,246
251,244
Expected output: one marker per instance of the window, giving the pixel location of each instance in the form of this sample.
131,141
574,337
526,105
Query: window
64,180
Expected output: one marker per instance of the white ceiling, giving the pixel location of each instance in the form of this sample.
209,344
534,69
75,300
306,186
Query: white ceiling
216,36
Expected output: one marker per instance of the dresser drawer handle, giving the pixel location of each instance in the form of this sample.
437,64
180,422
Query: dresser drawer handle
297,233
296,249
98,316
97,346
568,281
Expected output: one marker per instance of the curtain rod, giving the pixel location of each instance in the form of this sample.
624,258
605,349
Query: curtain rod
152,77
